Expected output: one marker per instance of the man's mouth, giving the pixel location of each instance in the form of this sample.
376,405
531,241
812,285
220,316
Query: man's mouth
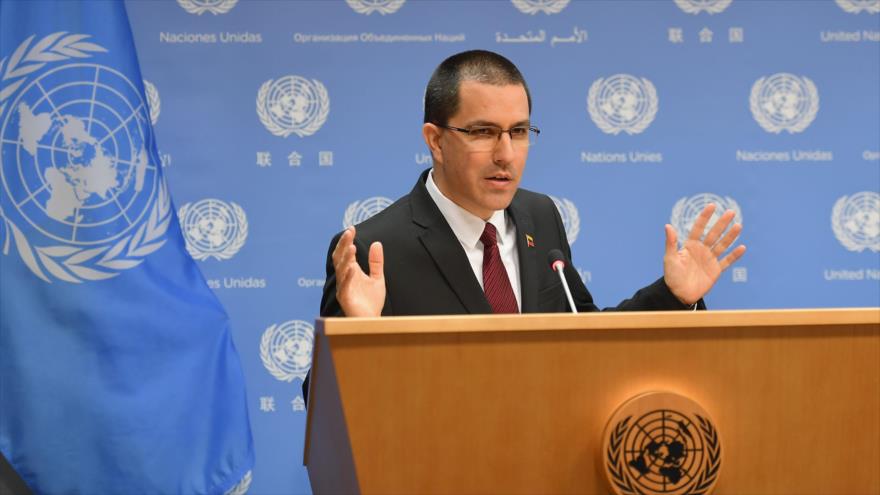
499,178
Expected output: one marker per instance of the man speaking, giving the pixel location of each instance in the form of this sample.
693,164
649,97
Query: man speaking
467,240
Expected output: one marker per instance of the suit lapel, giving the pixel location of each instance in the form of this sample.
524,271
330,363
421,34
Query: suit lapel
528,268
444,248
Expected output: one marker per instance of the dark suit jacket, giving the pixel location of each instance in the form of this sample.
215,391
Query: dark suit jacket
428,273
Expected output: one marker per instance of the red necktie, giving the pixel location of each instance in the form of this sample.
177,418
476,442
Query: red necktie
496,285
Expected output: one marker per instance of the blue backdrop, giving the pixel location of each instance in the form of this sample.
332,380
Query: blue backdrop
280,122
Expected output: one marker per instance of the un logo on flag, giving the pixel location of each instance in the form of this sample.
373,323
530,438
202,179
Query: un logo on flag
571,220
859,6
286,349
532,7
293,105
622,103
784,102
81,193
367,7
686,211
213,228
359,211
856,221
708,6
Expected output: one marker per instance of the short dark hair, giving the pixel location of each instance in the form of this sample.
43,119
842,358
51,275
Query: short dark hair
441,95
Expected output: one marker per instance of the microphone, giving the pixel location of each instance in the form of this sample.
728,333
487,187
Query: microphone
557,264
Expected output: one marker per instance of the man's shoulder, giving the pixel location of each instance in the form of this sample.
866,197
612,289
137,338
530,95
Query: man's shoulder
525,198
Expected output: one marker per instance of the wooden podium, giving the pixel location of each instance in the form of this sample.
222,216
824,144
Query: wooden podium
518,404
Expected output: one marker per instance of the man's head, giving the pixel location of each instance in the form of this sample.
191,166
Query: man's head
477,88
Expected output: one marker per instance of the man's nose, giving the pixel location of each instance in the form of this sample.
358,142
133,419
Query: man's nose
504,151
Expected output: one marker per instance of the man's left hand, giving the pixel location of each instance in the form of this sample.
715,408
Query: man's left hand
691,271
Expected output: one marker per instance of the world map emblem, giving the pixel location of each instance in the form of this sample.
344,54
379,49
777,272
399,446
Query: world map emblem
286,349
708,6
784,102
293,105
532,7
622,103
213,228
661,443
82,197
855,221
383,7
571,220
358,211
687,209
859,6
199,7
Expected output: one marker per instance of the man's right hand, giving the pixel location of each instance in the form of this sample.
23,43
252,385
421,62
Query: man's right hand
358,294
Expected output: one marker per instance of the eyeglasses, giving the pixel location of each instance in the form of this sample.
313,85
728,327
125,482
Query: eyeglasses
486,137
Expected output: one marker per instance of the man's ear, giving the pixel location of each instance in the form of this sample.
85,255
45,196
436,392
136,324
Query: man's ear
432,133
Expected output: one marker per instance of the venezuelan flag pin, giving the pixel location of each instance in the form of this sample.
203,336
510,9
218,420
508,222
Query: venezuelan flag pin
530,241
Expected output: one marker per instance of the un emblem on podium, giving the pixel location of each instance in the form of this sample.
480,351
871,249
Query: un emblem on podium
661,443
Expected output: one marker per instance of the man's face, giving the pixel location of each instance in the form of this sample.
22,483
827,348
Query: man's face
481,182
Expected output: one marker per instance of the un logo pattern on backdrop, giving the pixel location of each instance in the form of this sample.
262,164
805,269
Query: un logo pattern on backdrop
293,105
213,228
855,221
532,7
622,103
859,6
199,7
358,211
784,102
286,349
571,220
686,211
708,6
367,7
81,197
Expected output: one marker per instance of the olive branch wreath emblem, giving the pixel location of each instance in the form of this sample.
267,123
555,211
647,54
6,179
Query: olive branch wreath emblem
602,122
313,125
69,263
616,464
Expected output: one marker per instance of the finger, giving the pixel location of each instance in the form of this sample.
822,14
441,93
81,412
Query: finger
671,240
732,257
727,240
700,223
377,261
347,239
719,227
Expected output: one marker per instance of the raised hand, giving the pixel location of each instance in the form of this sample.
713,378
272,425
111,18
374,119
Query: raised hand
691,271
358,293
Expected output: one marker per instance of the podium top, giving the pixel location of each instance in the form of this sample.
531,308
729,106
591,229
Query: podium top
339,326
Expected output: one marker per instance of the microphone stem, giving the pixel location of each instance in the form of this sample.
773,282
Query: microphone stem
567,291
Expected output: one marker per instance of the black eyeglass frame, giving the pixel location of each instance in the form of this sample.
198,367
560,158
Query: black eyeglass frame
531,128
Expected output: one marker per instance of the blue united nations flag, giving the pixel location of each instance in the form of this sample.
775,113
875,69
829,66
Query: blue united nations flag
117,369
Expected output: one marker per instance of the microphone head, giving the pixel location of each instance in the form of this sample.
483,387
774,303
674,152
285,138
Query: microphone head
556,259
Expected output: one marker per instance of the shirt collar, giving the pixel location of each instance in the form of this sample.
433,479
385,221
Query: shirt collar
466,226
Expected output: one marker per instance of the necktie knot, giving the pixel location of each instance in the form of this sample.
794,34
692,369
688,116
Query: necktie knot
489,236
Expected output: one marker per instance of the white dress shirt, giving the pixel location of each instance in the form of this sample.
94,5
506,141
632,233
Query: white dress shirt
468,228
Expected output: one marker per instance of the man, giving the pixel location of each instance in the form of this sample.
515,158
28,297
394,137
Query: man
466,239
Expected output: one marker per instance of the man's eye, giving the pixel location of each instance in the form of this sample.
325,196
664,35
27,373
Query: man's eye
482,132
519,132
